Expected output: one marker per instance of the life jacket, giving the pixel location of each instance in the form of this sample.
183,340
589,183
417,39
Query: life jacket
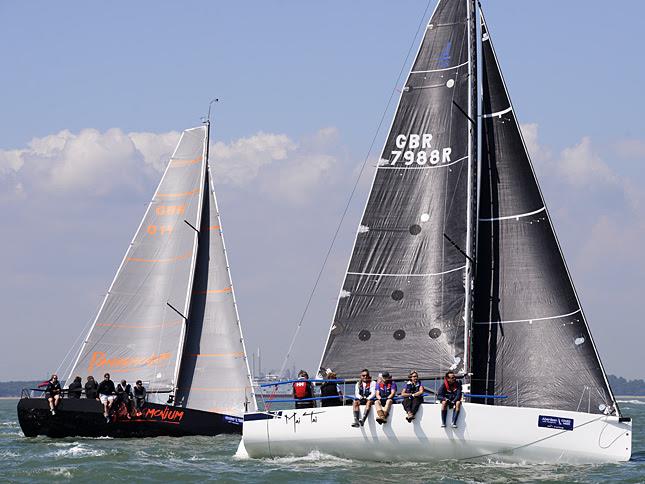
301,389
384,389
364,391
448,388
412,387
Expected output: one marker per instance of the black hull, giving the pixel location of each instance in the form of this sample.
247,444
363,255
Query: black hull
84,418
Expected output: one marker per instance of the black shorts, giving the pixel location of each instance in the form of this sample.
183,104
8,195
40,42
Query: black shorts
362,401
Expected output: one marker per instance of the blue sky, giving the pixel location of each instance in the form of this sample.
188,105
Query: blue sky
93,95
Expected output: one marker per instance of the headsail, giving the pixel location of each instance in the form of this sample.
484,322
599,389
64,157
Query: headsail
402,305
138,332
531,340
214,371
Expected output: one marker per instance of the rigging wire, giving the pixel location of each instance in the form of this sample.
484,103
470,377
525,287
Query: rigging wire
351,195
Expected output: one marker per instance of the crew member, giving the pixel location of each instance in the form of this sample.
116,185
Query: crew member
53,393
107,395
303,389
364,394
91,388
412,396
330,389
75,388
449,395
139,396
385,392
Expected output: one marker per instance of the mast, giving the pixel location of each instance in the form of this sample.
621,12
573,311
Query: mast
471,228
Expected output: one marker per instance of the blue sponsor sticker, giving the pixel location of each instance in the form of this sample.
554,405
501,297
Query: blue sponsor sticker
234,420
555,422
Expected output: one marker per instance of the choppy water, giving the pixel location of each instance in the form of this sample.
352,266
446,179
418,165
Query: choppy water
198,459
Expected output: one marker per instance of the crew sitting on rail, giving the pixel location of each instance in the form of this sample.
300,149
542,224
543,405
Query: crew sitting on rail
330,389
385,392
91,388
124,399
139,392
303,389
412,395
107,395
449,395
53,393
364,394
75,389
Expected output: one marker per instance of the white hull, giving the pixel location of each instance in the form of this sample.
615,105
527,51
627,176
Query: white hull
484,432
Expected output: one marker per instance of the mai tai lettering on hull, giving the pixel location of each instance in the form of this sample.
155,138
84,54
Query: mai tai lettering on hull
165,414
101,360
418,148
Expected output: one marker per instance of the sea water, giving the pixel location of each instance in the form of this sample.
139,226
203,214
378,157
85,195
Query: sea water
199,459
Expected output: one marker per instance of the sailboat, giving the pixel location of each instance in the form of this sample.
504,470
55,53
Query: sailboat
169,319
456,266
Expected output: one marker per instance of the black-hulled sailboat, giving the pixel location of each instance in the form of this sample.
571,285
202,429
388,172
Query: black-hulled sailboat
169,319
456,266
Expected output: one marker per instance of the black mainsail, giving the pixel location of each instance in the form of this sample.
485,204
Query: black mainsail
531,342
405,301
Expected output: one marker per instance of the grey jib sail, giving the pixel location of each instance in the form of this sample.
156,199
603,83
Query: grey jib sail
531,340
138,332
403,299
214,372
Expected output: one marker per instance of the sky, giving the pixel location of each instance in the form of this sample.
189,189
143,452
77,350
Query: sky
95,94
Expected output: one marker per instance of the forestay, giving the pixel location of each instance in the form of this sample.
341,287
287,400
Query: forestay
403,299
531,340
138,332
214,371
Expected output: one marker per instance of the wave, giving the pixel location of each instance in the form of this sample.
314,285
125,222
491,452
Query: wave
78,451
632,402
314,457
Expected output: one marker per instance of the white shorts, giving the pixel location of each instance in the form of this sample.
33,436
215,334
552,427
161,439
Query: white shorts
107,398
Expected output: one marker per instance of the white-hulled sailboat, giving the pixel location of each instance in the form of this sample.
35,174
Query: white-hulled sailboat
169,319
456,266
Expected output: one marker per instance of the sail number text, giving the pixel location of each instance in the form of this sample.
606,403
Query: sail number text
417,148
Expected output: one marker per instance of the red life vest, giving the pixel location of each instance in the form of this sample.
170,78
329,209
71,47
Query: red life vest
301,389
448,387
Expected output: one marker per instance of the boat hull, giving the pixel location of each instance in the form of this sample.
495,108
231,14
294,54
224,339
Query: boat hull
509,434
84,418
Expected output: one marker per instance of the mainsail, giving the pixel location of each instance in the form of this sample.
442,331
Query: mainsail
139,330
214,371
531,342
404,299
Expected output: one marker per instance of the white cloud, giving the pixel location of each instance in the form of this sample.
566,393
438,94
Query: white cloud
102,163
581,166
240,161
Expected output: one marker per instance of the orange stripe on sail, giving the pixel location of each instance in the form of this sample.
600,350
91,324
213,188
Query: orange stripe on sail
212,227
214,291
178,162
177,195
170,259
215,355
140,325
